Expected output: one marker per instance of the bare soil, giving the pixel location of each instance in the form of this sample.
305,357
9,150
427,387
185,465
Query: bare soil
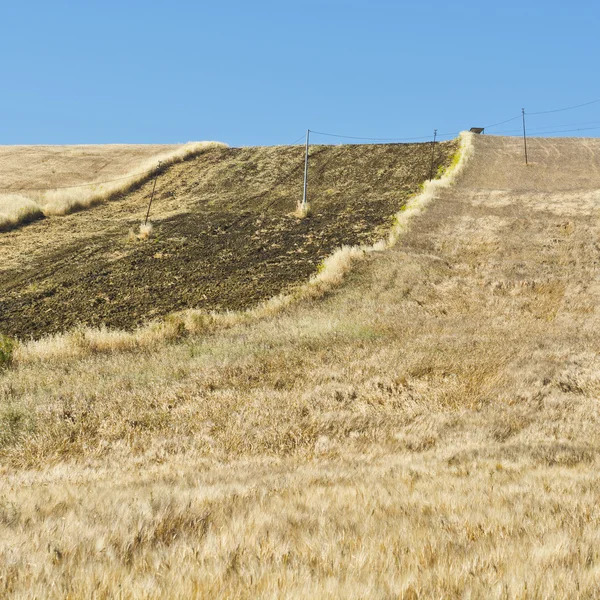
224,235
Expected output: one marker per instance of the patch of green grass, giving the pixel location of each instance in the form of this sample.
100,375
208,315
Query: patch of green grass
442,169
321,267
7,347
455,159
15,422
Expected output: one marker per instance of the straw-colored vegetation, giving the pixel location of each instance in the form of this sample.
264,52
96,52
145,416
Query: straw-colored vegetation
34,202
428,428
16,209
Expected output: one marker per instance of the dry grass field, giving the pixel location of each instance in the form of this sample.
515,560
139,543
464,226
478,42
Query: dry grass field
26,167
41,181
427,429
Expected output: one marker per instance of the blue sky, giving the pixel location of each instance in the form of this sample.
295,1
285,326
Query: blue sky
258,73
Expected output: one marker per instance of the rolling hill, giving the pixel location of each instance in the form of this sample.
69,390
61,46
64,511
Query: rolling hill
427,428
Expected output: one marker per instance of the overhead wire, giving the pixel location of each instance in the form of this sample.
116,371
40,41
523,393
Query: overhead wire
568,130
502,122
377,139
370,139
546,112
540,128
298,140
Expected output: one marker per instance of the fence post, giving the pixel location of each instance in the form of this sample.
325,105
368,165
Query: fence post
304,199
432,154
524,135
153,188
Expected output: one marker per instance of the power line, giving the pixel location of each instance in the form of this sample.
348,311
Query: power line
423,137
502,122
370,139
568,130
543,131
301,138
544,127
375,139
577,124
428,137
545,112
509,131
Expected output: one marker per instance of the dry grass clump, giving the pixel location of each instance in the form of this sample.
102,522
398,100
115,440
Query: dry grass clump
145,231
16,209
302,211
85,341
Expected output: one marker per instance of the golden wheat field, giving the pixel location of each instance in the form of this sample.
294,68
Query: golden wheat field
420,420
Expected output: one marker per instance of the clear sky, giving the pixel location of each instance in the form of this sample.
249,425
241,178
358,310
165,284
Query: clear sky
262,72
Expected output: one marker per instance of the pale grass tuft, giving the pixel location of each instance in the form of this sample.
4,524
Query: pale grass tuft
16,209
145,231
87,341
302,211
335,267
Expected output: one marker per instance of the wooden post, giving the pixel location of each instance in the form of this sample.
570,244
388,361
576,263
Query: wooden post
304,196
432,154
152,195
524,135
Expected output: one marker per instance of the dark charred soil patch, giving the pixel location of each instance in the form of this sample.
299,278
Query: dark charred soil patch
233,242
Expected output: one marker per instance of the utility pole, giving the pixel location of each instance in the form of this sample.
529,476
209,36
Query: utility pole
524,135
432,154
304,199
153,188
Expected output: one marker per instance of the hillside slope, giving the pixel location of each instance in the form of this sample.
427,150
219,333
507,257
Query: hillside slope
224,235
430,429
